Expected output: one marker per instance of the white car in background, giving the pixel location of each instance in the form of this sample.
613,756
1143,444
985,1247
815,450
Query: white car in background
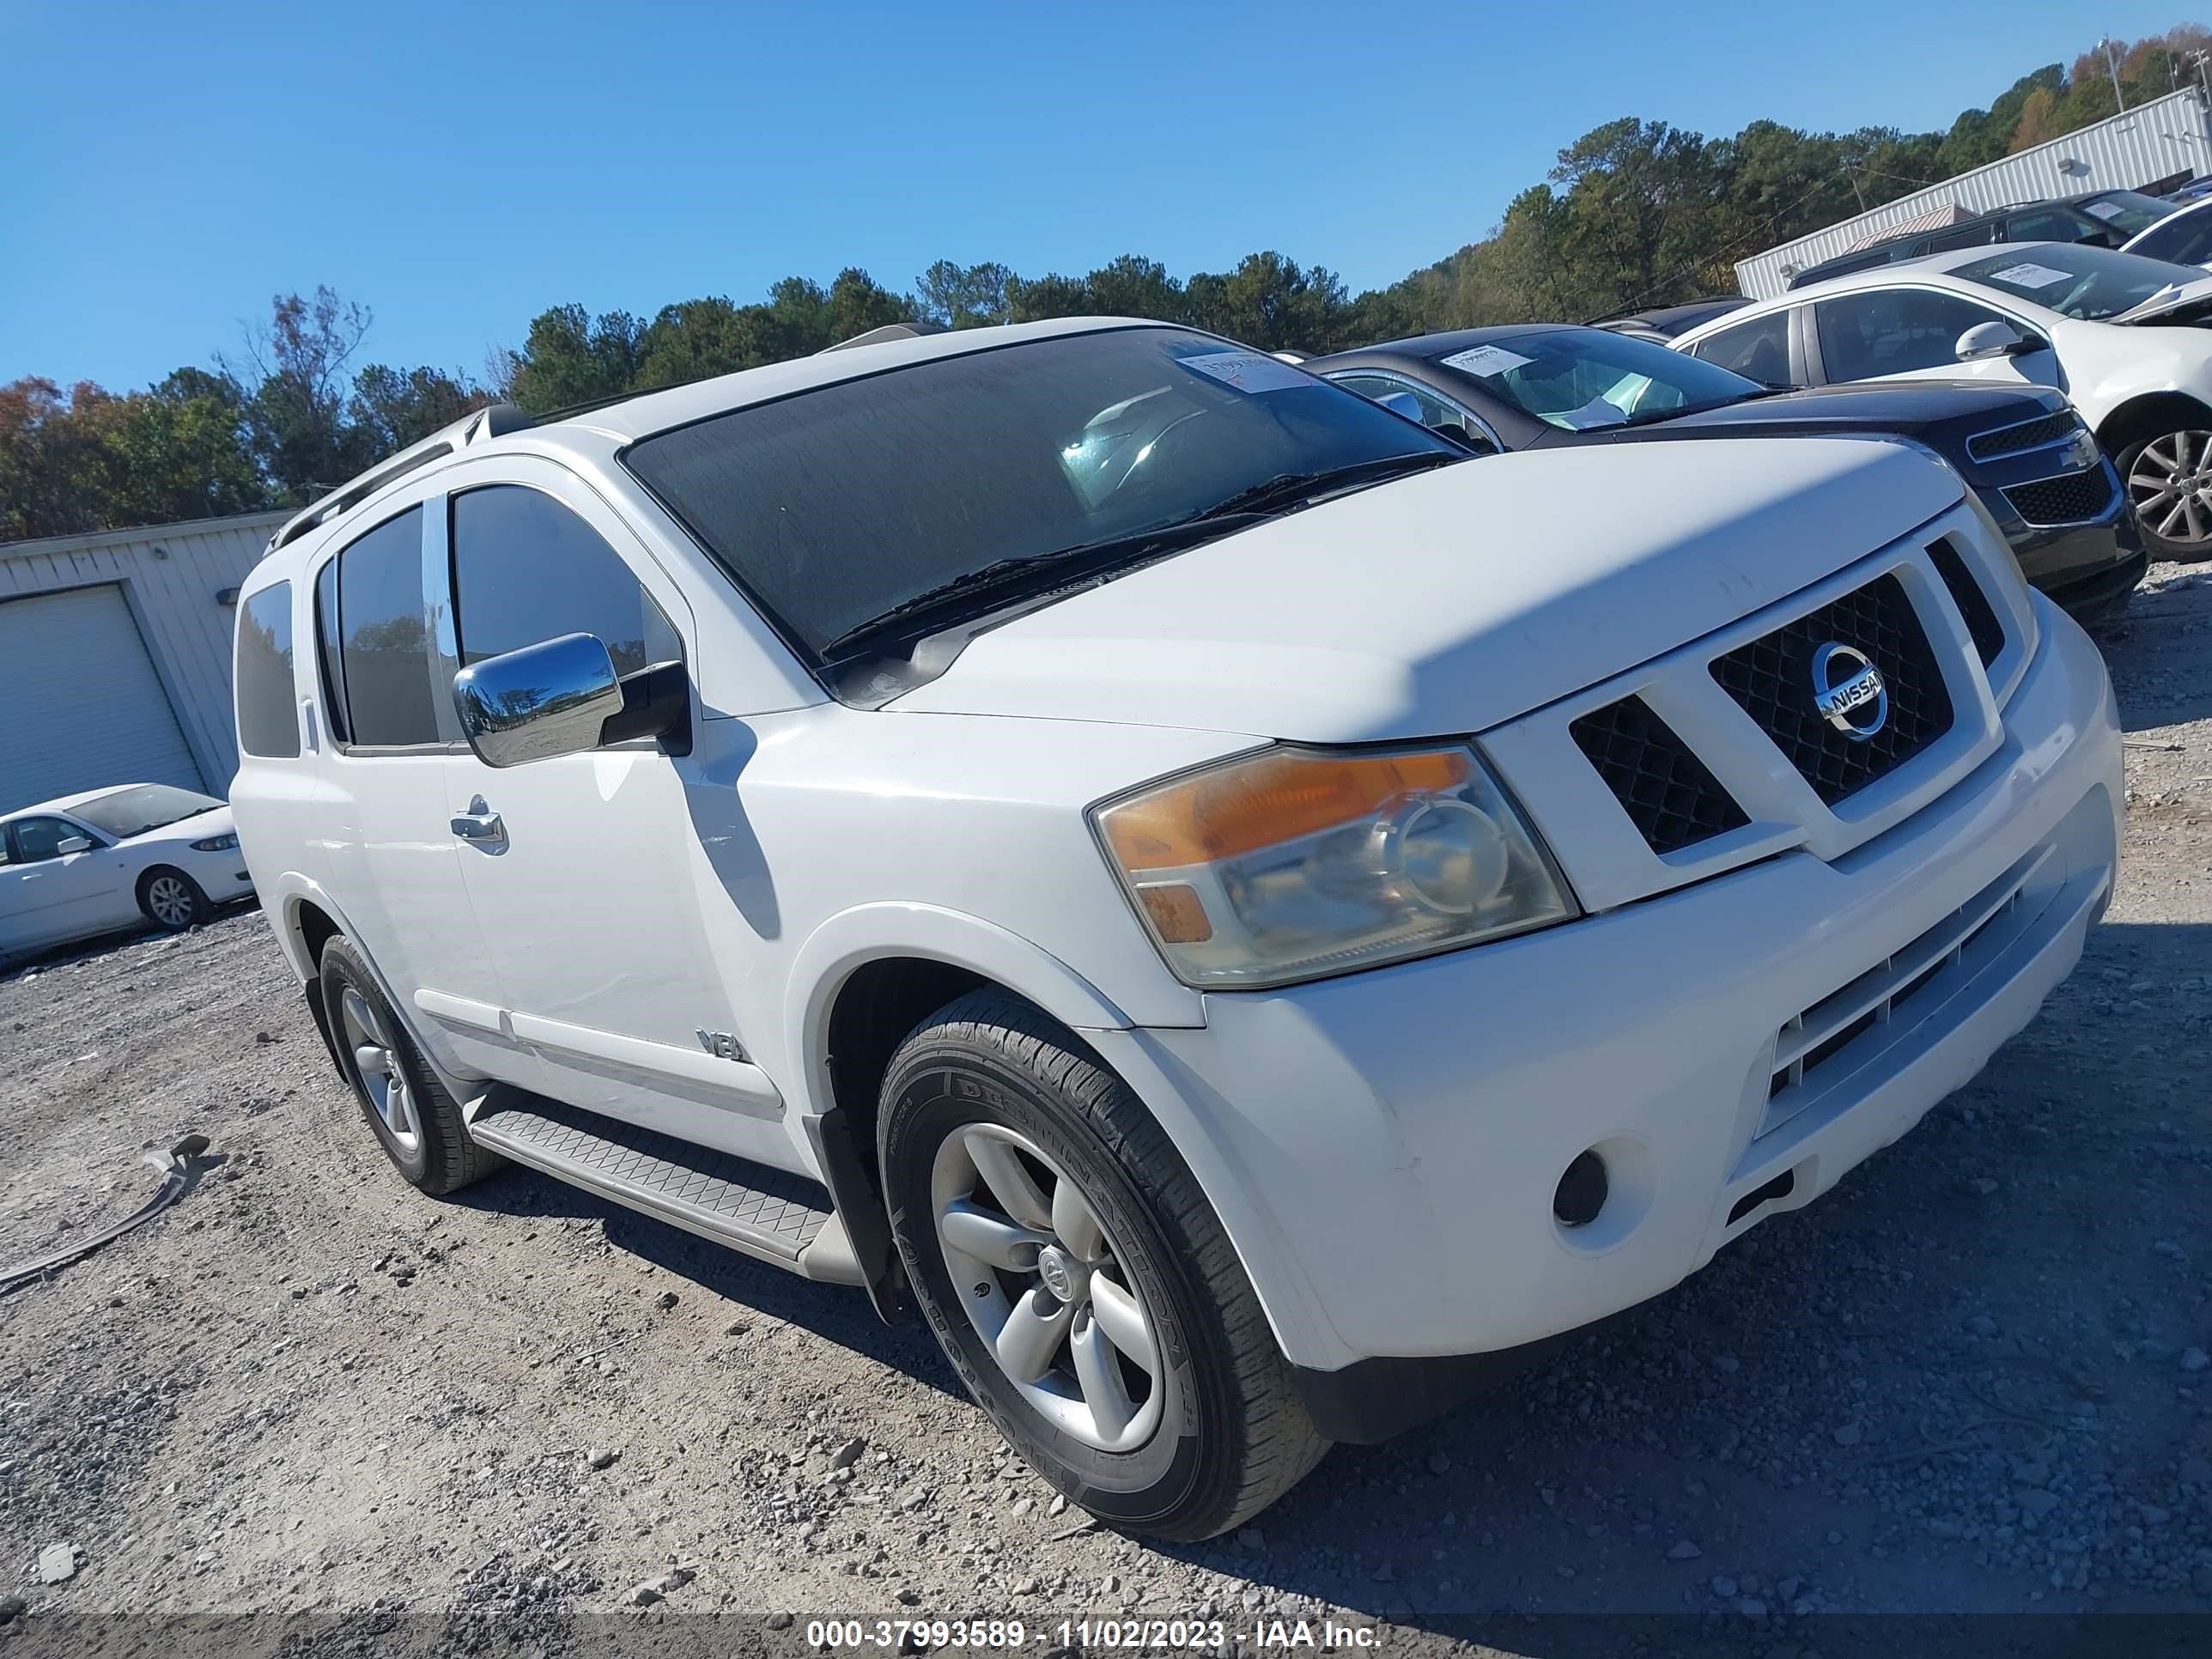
2124,338
108,858
2182,239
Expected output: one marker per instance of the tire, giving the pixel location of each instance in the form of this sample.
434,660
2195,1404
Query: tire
2168,478
171,900
417,1122
1228,1433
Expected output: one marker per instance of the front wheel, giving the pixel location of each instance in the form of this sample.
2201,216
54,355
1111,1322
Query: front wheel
171,900
1078,1278
2169,480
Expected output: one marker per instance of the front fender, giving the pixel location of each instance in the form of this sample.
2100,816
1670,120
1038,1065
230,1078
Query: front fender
871,933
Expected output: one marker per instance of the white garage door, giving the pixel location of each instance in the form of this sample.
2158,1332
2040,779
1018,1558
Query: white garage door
80,704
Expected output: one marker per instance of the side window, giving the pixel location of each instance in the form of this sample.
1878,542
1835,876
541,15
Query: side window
1892,331
1966,236
1757,350
1435,414
384,651
2056,225
261,683
327,652
37,840
527,570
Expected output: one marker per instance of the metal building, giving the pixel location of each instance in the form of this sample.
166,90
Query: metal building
115,657
2155,140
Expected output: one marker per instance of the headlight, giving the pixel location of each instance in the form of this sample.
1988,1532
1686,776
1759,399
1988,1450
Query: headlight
1299,862
2082,451
216,844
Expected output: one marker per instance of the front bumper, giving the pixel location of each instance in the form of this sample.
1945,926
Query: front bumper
1384,1147
2089,568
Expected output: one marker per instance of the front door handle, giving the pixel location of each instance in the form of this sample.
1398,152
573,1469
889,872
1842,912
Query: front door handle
478,824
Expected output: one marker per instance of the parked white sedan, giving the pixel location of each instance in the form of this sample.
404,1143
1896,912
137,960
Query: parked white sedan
2124,338
103,860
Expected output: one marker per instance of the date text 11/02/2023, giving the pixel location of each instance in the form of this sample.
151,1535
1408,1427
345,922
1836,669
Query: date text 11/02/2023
1168,1635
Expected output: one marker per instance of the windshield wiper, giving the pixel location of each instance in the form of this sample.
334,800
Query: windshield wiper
1290,489
959,595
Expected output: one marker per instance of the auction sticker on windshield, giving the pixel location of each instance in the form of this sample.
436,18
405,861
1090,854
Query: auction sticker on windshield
1485,360
2029,276
1249,371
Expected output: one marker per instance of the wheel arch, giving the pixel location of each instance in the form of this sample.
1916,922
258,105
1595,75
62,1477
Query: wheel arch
864,980
2148,414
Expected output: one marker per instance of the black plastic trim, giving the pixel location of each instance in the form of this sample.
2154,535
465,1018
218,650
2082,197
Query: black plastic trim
860,1205
1371,1400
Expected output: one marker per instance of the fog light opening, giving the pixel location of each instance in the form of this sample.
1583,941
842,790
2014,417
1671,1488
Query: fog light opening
1582,1191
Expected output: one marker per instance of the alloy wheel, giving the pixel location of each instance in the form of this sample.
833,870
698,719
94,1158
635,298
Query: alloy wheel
382,1078
2170,481
170,900
1045,1289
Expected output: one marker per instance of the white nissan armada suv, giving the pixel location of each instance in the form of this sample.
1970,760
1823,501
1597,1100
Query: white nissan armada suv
1246,917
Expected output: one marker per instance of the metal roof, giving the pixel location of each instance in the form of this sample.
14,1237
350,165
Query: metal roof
2151,141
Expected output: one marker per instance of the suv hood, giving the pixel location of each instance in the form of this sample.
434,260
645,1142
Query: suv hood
1452,601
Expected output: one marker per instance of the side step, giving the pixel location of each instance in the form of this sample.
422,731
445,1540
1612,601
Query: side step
770,1213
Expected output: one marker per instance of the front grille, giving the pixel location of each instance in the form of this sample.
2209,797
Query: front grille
1665,789
2028,434
1973,605
2067,500
1771,680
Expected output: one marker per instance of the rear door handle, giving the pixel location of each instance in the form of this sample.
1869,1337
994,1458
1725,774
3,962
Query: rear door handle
478,824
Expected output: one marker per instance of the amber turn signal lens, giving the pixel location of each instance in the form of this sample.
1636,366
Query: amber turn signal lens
1274,799
1178,913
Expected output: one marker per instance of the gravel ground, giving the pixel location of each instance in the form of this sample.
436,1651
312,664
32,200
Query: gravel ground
1972,1380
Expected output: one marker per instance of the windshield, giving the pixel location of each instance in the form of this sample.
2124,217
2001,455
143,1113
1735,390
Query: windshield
133,811
837,506
2074,280
1581,378
2127,211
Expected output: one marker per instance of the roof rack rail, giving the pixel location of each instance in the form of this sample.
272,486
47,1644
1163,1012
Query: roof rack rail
494,420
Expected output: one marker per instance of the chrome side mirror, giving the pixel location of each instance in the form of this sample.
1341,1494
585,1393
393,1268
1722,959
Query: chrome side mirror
1991,339
544,700
1401,403
69,844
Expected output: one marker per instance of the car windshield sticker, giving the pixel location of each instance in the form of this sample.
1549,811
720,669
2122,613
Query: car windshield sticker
2101,209
2029,276
1249,371
1485,361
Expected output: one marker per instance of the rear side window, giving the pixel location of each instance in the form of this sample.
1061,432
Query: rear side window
1757,350
327,652
527,570
384,652
268,723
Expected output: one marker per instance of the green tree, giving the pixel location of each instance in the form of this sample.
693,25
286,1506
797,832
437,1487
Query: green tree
392,408
962,296
572,357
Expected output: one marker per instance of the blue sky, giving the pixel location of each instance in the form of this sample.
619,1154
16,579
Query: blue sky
164,169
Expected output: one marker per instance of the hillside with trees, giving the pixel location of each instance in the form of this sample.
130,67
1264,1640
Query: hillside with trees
1635,212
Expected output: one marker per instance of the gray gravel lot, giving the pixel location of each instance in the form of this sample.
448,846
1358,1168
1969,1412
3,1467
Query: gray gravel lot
1973,1379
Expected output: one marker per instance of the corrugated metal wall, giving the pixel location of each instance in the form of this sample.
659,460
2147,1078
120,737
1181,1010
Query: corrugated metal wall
171,575
2152,141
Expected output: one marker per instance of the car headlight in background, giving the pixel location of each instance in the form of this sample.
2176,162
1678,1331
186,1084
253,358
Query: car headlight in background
216,844
1297,862
2082,451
